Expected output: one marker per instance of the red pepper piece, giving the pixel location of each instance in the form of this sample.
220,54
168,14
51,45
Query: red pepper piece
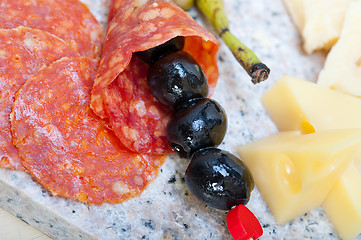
242,224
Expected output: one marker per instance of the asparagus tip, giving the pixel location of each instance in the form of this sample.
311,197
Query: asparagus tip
259,73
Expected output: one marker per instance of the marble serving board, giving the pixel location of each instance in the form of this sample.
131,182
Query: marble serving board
166,209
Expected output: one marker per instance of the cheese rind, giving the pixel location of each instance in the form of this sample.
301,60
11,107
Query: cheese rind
295,172
342,70
295,104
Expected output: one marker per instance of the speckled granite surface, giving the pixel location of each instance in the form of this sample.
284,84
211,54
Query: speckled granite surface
166,210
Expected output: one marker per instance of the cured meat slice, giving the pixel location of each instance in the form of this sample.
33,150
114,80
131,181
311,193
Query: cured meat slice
137,119
23,51
137,26
141,25
70,20
69,149
115,5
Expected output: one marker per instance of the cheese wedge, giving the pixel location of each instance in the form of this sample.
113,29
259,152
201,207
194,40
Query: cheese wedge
294,172
342,70
295,104
323,23
319,22
343,203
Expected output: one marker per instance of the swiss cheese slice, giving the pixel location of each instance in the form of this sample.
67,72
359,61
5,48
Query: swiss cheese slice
295,104
295,172
343,203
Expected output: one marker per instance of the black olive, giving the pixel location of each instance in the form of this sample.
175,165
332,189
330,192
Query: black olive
196,124
151,55
219,179
175,78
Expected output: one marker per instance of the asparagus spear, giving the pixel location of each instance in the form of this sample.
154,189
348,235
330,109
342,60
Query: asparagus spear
213,10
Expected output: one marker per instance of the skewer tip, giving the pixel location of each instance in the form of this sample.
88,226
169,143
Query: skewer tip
259,73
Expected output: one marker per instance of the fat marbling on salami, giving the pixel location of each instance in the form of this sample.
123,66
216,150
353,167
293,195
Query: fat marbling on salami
134,112
137,26
69,149
70,20
23,51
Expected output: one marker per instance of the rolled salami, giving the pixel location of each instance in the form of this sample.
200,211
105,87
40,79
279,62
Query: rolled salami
120,92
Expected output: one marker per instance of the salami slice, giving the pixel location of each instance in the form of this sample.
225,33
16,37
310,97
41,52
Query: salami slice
70,20
23,51
69,149
137,119
138,26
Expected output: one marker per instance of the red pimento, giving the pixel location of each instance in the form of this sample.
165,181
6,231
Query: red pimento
243,224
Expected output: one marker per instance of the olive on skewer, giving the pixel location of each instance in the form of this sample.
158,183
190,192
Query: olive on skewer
198,124
151,55
219,179
175,78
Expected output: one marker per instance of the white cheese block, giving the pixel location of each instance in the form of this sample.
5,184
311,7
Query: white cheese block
319,22
342,70
323,23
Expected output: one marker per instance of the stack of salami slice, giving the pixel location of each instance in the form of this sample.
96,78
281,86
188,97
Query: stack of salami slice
33,35
76,112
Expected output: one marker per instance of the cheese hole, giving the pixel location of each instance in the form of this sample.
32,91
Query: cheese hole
288,175
307,128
